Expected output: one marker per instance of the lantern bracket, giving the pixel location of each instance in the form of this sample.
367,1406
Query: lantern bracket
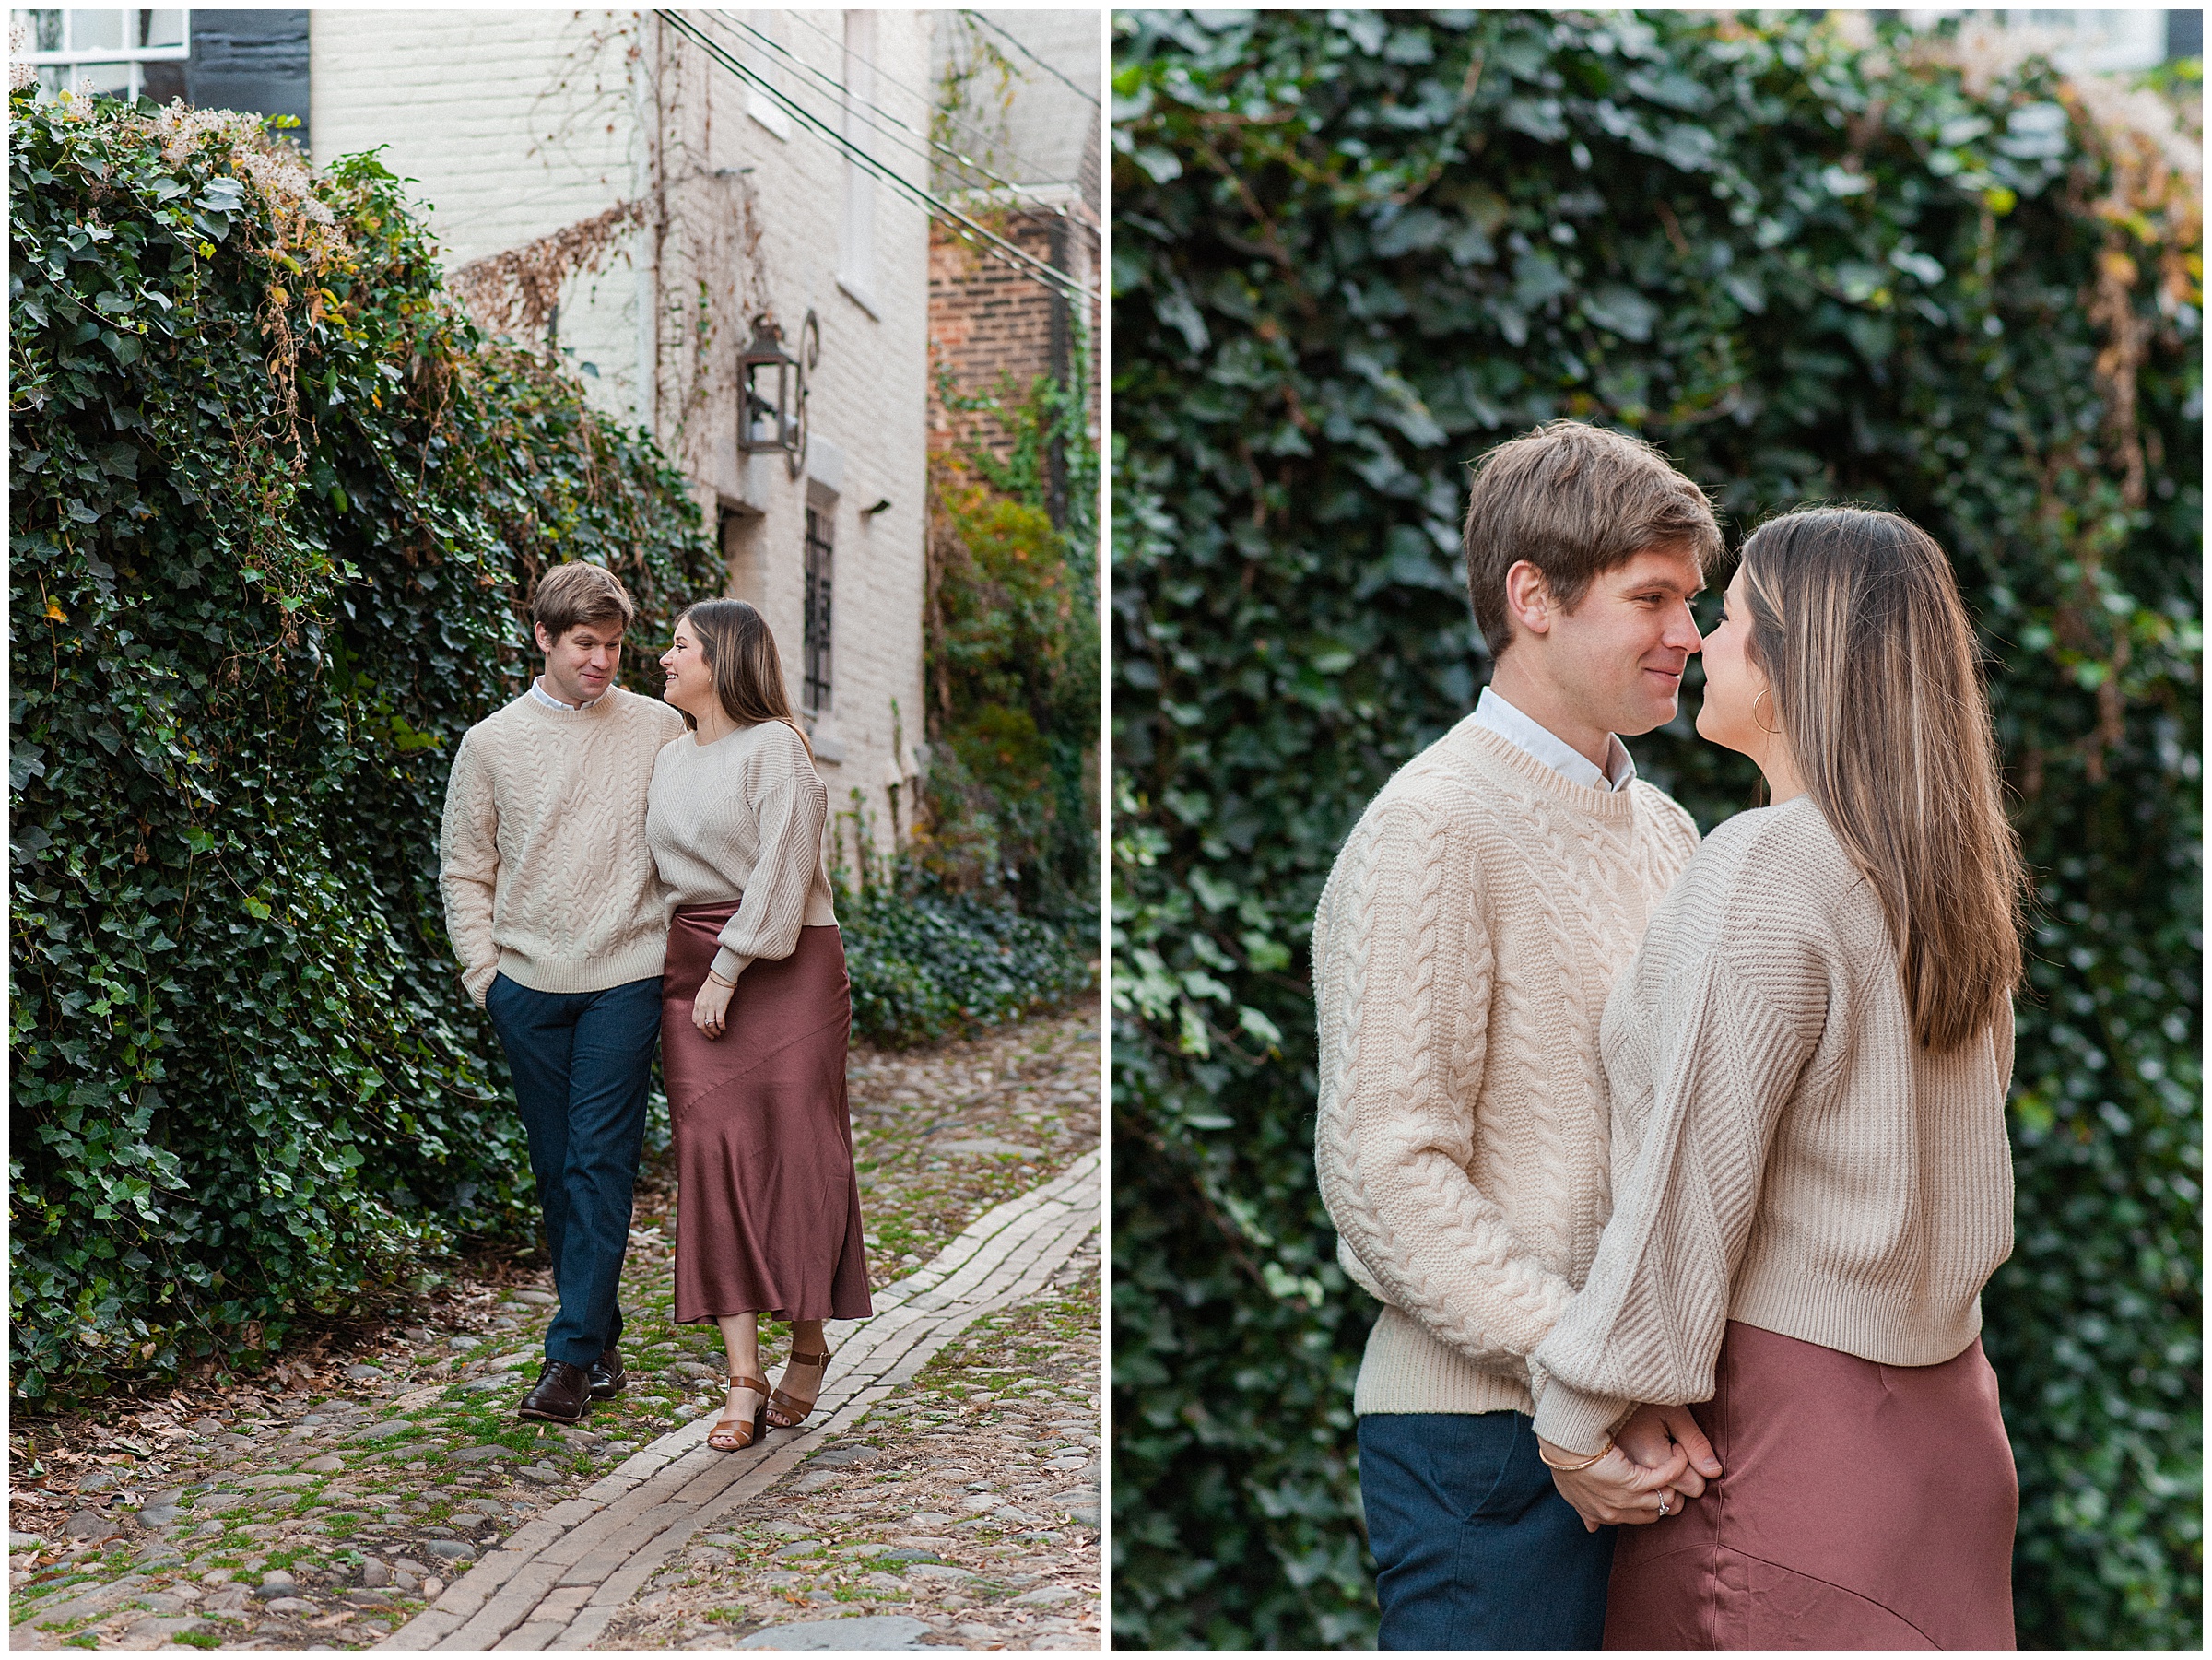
809,354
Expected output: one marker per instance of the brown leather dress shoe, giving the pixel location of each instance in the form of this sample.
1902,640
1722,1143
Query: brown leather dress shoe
562,1394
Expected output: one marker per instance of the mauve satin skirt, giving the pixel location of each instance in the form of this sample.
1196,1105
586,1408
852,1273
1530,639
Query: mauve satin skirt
767,1204
1863,1507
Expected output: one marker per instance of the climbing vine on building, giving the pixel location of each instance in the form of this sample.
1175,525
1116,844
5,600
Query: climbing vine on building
1011,647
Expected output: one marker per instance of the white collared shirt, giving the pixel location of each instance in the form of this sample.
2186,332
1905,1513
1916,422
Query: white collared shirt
1510,723
537,690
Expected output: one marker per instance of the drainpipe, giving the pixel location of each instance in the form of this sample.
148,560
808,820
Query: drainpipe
1062,351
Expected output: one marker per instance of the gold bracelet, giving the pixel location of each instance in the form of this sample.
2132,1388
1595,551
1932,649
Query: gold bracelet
1570,1469
718,980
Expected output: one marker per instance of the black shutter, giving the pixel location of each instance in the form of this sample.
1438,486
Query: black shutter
250,59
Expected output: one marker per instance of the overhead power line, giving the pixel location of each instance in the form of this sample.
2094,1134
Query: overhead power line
904,134
1034,58
989,138
1021,258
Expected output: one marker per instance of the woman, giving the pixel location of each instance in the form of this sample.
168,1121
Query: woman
1808,1062
754,1017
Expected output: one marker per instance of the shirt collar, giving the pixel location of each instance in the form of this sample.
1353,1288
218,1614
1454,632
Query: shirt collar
1499,716
537,690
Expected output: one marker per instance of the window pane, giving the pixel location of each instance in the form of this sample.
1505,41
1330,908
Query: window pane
101,28
161,29
45,27
114,79
815,651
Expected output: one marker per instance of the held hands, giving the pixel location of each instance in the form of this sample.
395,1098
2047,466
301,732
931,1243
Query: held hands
711,1006
1659,1458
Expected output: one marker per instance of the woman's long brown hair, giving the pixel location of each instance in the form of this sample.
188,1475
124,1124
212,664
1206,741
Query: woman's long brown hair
741,653
1876,681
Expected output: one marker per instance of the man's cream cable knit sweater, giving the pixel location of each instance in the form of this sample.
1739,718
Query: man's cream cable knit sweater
1461,954
542,855
1784,1153
742,819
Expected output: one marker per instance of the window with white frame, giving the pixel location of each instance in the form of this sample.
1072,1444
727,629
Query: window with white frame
123,53
856,237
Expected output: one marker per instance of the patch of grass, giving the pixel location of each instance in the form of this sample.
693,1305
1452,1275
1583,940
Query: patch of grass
65,1583
733,1615
198,1639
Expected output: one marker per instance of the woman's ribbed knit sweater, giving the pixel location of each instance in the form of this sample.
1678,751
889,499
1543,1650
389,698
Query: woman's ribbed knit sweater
542,853
1462,949
1784,1154
741,820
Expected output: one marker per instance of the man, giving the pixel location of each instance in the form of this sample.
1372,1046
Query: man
555,913
1461,954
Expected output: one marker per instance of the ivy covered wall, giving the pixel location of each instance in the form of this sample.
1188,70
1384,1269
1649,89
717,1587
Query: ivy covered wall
274,504
1354,249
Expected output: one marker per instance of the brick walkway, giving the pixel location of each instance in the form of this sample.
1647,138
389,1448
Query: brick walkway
560,1579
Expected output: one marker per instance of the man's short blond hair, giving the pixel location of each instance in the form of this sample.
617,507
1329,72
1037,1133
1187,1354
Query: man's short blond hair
576,595
1575,501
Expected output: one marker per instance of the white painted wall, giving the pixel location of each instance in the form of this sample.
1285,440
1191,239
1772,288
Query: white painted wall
514,124
509,124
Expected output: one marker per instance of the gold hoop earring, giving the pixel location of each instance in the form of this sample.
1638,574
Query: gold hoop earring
1770,731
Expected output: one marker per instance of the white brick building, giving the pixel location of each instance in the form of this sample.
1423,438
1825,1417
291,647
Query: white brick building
737,205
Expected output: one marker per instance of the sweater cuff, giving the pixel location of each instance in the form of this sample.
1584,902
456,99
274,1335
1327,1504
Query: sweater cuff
478,982
728,964
1568,1417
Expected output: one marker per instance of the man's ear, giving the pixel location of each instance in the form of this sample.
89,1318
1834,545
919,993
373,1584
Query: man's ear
544,640
1528,598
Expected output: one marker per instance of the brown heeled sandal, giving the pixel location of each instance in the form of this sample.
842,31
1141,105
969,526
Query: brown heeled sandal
785,1402
735,1435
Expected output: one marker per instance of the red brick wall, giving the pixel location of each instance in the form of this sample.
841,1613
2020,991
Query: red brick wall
986,319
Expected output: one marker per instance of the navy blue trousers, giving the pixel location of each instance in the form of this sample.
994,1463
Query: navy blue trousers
582,1063
1474,1546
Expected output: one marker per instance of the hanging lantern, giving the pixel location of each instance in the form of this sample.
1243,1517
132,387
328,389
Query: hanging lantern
767,376
773,391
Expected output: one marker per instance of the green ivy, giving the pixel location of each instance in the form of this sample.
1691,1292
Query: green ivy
274,503
926,963
1353,250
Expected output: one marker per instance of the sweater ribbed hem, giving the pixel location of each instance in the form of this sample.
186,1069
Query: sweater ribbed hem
636,960
729,964
1579,1422
1783,1298
1406,1369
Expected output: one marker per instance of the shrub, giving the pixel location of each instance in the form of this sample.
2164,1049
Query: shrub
1352,250
927,964
273,504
